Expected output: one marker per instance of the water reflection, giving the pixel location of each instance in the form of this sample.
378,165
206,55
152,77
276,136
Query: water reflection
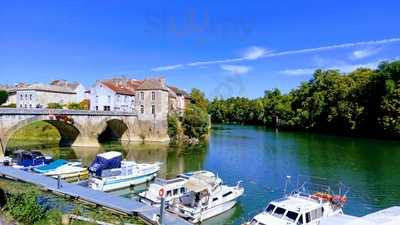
262,158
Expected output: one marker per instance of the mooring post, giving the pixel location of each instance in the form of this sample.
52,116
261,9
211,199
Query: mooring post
162,206
59,181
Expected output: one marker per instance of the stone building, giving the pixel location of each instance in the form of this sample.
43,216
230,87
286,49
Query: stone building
152,105
182,100
78,88
40,95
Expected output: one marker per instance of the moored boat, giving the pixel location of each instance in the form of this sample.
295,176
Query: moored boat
173,188
206,197
306,204
63,168
27,160
109,172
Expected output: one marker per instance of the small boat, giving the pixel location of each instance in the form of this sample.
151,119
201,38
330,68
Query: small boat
206,197
174,188
62,168
29,159
304,205
109,172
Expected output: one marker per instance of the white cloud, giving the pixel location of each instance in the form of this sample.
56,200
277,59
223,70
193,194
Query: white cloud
254,52
298,72
363,53
236,69
344,68
165,68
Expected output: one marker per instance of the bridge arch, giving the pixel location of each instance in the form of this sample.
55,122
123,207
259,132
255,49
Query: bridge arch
67,130
113,128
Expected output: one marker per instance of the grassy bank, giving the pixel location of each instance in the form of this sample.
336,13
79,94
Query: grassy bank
28,205
38,133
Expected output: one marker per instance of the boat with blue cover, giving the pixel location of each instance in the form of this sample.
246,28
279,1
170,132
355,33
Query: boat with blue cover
23,159
110,172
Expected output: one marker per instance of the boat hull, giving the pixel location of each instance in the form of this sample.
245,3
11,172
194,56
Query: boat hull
115,184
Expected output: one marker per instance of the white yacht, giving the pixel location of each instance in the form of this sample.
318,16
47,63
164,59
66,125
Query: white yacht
302,207
206,197
108,172
174,188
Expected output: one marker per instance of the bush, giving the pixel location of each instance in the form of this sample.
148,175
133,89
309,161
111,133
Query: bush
24,208
55,105
3,96
85,104
74,105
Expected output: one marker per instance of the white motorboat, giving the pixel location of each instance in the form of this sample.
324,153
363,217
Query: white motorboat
108,172
62,168
206,197
173,188
69,170
303,206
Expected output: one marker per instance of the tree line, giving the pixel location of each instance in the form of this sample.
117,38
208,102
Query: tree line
362,102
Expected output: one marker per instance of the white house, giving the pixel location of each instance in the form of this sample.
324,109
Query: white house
113,96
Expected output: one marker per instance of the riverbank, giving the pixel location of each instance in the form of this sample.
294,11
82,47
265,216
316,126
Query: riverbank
29,205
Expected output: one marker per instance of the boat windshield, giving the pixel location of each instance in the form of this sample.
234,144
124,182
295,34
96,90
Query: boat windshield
270,208
279,212
291,216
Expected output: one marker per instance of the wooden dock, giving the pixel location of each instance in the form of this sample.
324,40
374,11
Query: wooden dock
106,200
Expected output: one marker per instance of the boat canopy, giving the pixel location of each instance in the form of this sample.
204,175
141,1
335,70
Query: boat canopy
196,185
51,166
108,160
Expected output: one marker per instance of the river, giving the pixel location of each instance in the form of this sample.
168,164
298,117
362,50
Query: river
262,158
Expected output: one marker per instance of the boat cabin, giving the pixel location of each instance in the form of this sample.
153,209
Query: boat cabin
292,210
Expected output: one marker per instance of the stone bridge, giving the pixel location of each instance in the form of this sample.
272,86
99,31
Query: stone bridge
82,128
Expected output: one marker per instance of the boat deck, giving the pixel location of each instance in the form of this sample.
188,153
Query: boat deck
389,216
106,200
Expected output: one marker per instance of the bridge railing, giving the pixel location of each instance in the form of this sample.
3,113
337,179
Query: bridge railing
23,111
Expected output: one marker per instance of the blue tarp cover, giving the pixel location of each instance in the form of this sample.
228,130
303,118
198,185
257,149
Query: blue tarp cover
108,160
51,166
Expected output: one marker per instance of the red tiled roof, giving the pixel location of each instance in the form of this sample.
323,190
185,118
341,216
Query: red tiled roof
127,88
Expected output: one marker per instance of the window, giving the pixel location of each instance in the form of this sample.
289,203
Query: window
25,106
270,208
20,105
226,194
107,108
141,109
142,95
126,99
169,193
308,218
118,98
109,99
97,108
97,99
30,106
175,191
182,190
301,219
21,97
153,95
215,199
291,216
279,212
30,97
153,109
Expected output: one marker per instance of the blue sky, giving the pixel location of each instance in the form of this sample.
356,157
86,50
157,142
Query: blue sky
225,48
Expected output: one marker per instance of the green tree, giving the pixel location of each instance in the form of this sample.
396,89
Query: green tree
3,96
197,98
75,106
55,105
195,122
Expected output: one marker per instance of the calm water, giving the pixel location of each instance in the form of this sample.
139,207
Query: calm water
263,158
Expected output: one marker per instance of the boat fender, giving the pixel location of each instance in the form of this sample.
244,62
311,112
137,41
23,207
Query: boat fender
161,192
